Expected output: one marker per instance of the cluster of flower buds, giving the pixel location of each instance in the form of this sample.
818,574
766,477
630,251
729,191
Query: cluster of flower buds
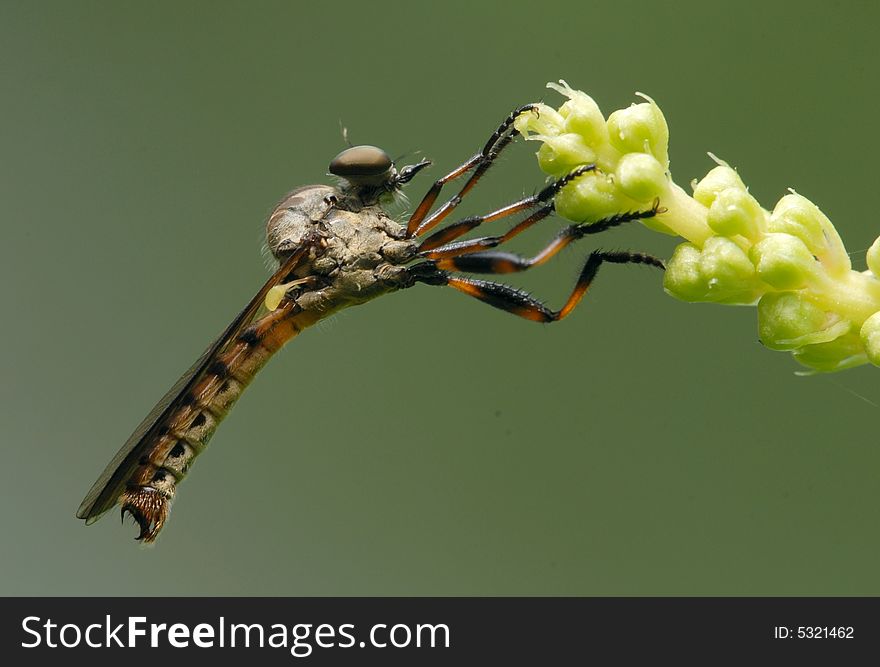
789,261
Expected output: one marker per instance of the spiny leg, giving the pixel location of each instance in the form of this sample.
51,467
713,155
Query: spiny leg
471,256
482,164
520,303
462,227
485,242
420,221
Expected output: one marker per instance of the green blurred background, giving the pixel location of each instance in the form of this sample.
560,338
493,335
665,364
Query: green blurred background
425,444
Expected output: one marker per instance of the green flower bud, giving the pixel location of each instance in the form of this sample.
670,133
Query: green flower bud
640,129
729,273
873,258
641,177
683,278
734,212
788,320
719,179
721,273
590,198
582,115
544,122
842,353
870,335
783,261
559,155
800,217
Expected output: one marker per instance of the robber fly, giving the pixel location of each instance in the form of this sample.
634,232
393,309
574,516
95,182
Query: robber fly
337,247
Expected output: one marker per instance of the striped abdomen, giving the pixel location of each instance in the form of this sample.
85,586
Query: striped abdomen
184,434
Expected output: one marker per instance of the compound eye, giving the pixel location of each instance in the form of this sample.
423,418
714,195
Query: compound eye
360,161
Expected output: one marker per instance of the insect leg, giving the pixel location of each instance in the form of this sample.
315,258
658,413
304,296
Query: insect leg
472,256
420,222
520,303
462,227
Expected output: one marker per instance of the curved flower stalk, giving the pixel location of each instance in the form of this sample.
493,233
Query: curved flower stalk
790,261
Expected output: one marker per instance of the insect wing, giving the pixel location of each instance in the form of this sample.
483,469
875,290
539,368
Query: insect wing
105,492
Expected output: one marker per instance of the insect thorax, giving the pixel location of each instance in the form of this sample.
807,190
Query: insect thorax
362,251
